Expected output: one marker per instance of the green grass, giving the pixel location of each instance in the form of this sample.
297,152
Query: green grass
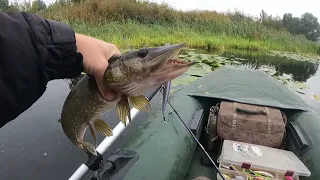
133,24
133,35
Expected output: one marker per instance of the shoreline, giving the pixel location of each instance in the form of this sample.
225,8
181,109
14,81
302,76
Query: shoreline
128,35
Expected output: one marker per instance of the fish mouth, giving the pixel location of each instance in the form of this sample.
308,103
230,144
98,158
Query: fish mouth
171,70
159,57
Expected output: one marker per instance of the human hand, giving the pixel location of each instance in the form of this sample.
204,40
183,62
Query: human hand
96,54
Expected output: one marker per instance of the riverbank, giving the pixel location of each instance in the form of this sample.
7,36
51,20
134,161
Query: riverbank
132,34
134,24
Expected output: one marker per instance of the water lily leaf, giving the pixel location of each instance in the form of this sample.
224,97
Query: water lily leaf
182,56
183,80
316,97
271,63
200,70
295,56
299,85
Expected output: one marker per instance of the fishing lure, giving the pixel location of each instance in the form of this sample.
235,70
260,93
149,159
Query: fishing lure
166,91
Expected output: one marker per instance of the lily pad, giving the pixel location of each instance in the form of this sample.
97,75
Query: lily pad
296,56
183,80
283,66
316,97
269,70
199,70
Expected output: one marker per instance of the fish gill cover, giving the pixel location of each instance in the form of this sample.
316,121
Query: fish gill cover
247,86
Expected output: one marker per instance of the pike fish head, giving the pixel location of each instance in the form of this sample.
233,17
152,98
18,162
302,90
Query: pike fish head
133,72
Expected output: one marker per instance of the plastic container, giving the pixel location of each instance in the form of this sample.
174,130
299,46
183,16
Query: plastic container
279,163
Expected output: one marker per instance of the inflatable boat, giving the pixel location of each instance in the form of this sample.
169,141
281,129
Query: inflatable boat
152,149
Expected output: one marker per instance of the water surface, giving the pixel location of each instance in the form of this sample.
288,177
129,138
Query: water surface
298,72
33,146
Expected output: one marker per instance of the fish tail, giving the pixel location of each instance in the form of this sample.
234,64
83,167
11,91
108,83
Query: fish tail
89,149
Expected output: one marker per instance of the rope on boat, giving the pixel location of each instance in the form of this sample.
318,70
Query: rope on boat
196,139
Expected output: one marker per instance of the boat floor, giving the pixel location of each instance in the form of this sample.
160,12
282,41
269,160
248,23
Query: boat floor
197,169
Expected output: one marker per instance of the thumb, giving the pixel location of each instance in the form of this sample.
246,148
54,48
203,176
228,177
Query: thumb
107,94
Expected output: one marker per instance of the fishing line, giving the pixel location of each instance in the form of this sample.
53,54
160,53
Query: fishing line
196,139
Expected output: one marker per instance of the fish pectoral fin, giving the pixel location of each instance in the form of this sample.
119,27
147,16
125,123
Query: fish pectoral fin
123,110
93,133
103,127
89,148
140,102
59,120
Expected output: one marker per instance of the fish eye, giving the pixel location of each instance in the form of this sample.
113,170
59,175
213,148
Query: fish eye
142,53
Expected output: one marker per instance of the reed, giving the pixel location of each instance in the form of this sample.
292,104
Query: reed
136,23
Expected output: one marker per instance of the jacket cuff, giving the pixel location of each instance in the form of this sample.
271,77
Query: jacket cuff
64,60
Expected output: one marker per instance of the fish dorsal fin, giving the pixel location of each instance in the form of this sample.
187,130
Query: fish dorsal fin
103,127
123,110
140,102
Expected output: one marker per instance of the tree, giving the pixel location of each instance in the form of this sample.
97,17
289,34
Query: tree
41,5
310,23
307,25
296,26
263,16
63,2
38,5
287,21
270,21
4,4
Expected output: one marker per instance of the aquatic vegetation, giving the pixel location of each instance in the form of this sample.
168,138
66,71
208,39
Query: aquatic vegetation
316,97
291,84
291,72
295,56
131,34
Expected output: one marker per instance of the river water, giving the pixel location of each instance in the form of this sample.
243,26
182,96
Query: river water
299,73
33,146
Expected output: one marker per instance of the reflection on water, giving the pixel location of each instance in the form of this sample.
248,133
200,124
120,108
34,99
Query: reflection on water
300,70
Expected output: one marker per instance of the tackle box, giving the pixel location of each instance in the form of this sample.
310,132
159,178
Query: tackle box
247,157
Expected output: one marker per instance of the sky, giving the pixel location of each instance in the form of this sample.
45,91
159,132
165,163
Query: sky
252,7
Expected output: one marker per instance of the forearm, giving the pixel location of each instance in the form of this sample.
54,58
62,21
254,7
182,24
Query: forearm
33,51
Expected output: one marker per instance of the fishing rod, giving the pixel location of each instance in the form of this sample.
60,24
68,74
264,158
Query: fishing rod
196,139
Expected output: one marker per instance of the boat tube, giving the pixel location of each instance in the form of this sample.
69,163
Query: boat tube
165,150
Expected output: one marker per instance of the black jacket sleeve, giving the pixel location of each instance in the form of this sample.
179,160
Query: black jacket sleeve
33,51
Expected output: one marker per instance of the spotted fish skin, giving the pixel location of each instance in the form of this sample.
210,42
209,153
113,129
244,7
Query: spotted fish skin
130,74
135,72
83,105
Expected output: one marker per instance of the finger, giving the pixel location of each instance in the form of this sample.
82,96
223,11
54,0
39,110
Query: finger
107,93
112,50
117,52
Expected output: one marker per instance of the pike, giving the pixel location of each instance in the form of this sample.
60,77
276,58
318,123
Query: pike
131,74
